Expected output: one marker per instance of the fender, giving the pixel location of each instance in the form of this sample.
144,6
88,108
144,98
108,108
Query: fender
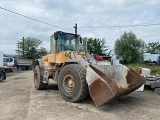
70,62
41,65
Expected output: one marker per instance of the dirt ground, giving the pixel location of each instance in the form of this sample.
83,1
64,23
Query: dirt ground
20,101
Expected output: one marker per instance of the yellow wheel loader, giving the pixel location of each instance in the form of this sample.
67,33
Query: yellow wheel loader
78,74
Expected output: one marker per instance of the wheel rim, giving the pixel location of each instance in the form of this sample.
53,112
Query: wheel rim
35,79
69,83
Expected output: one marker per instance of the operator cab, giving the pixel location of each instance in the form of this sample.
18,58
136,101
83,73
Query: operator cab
62,41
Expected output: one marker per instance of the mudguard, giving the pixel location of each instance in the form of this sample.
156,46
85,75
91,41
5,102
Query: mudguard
41,64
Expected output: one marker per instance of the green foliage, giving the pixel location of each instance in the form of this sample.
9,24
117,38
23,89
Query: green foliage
154,69
29,48
129,47
98,46
153,47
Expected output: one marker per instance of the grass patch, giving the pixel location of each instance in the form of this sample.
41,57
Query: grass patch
154,69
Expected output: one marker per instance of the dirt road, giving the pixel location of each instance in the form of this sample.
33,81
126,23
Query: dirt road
20,101
15,96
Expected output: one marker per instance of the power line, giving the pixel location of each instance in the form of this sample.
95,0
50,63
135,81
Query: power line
117,26
31,6
33,19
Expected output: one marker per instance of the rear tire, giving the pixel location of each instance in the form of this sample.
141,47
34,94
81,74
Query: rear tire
38,79
72,83
2,76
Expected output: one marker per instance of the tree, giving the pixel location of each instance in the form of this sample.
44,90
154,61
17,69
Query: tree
153,47
129,47
29,48
98,46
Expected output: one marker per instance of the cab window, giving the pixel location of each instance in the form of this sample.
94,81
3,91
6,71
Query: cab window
11,59
52,45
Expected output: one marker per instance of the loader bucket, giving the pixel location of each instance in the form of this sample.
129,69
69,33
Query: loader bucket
109,82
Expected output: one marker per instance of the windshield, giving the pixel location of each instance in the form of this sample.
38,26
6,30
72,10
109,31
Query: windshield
70,42
82,46
5,59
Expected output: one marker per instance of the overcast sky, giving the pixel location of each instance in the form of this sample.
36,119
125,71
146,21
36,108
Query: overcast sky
92,17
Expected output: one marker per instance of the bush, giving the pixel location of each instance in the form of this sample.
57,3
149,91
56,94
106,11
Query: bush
154,69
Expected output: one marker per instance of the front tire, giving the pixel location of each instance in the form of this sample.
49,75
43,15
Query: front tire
38,79
72,83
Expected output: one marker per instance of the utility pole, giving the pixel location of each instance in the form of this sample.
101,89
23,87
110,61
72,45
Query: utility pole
18,48
75,27
76,37
23,46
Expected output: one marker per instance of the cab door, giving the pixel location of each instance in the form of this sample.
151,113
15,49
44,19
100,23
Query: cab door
11,62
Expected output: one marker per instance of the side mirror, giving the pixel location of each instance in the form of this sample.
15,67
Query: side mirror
80,39
55,36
